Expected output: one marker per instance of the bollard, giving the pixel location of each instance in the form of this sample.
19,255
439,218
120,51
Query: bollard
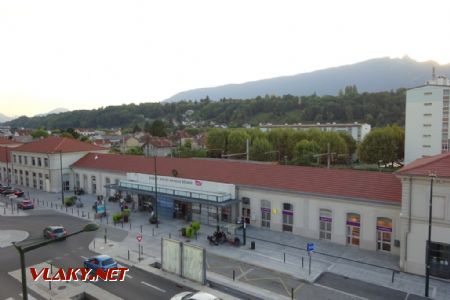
393,273
130,225
51,204
169,235
309,264
72,210
106,216
66,208
302,262
139,252
128,254
4,210
153,231
78,212
50,282
234,275
142,251
88,215
105,236
284,257
94,243
122,224
141,228
292,293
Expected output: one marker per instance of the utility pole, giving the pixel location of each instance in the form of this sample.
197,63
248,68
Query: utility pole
62,182
432,176
328,154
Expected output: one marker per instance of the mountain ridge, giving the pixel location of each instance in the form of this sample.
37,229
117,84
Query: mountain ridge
373,75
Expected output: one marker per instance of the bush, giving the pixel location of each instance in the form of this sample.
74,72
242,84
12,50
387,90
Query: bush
195,226
117,217
69,201
189,232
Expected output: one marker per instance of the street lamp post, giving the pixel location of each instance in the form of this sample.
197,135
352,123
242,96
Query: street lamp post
432,176
156,188
7,167
62,182
24,249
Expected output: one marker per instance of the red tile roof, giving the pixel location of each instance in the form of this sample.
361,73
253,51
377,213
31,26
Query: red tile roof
331,182
4,141
438,164
3,153
55,144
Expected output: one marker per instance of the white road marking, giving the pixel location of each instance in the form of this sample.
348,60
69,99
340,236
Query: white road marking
152,286
129,276
29,297
83,257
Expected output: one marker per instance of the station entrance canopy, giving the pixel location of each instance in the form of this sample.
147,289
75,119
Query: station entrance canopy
187,190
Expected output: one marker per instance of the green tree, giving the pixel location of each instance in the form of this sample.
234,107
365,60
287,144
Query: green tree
304,152
350,142
237,141
259,149
135,151
66,134
38,133
383,145
216,142
158,128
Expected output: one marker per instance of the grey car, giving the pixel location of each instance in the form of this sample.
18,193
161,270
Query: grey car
54,232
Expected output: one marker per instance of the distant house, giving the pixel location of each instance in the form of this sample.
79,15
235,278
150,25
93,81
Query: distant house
130,142
102,143
85,131
357,130
159,146
23,135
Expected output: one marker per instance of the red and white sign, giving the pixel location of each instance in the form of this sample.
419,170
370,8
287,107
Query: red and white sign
139,238
79,274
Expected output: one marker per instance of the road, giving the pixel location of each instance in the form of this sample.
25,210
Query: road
70,253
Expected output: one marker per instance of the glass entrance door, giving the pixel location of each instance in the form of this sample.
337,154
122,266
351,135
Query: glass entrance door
440,260
384,234
353,229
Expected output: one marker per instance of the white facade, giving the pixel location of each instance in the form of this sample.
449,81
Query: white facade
414,220
306,216
40,170
426,123
93,181
356,130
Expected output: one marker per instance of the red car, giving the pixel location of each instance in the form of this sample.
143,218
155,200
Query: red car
25,204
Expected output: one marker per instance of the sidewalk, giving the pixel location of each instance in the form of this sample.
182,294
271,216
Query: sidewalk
283,253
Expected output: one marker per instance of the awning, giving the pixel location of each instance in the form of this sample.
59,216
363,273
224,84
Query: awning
188,198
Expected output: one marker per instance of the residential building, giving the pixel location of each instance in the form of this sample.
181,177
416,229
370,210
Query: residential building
426,123
357,130
159,146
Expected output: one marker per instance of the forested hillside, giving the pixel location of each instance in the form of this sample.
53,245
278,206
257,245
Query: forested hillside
378,109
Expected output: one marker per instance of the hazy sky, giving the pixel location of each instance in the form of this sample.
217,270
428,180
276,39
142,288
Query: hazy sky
88,54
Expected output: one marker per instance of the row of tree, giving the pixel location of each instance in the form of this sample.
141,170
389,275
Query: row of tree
382,145
378,109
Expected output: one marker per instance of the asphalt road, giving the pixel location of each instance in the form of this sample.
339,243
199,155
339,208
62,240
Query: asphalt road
70,253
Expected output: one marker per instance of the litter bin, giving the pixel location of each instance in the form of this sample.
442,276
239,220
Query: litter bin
252,245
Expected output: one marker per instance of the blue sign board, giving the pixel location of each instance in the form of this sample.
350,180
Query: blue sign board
100,209
310,247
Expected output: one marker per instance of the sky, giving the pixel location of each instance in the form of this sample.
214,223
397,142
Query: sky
95,53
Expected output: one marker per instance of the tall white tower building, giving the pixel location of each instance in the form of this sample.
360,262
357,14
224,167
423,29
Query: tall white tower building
426,124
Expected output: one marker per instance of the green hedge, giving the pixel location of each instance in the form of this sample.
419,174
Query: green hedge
117,217
195,226
69,201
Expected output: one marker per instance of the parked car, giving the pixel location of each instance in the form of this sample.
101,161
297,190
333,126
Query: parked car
3,188
194,296
54,232
7,191
18,192
25,204
103,262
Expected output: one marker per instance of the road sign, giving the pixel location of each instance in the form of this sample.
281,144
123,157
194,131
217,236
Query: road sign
310,247
139,237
